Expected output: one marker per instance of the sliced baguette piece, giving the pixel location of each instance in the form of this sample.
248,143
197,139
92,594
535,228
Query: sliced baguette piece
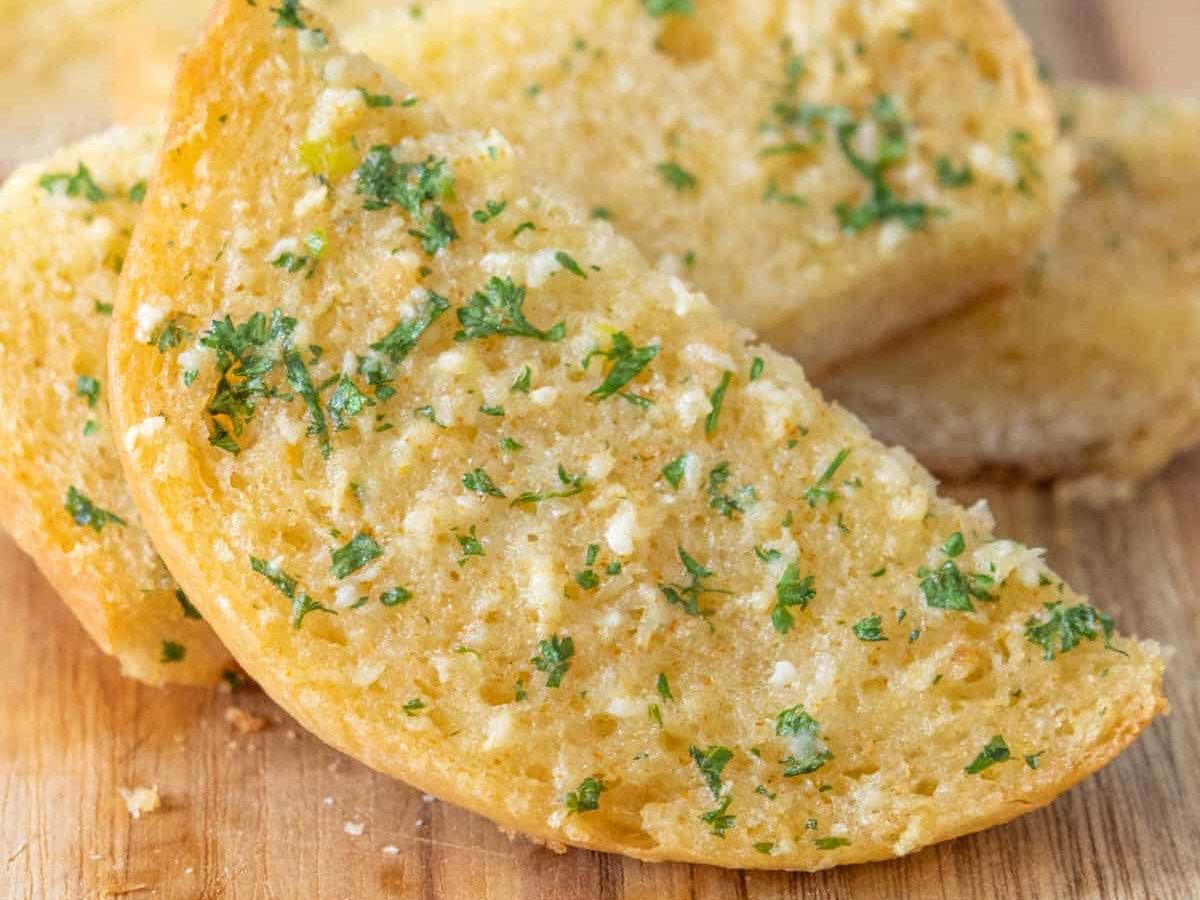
1089,374
712,139
489,504
65,224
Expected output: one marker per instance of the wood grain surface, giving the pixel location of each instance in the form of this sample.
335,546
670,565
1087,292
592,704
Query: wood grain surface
275,814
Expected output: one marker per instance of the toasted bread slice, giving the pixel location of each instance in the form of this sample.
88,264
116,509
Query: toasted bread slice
1089,372
491,505
829,173
64,227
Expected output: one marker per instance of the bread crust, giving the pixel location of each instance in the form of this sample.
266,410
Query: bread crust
423,688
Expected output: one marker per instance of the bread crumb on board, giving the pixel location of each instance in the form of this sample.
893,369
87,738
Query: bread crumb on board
139,800
245,722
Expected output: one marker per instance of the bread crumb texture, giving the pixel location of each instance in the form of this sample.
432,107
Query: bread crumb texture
829,173
66,224
490,504
140,801
1087,373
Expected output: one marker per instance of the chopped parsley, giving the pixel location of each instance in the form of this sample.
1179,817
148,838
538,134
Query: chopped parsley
170,335
104,309
1068,626
90,427
868,629
882,205
740,500
627,361
398,343
716,400
587,579
1031,759
658,8
711,763
288,15
520,384
791,590
189,611
172,652
395,596
88,387
572,485
601,212
497,309
586,797
994,751
416,187
810,751
346,402
764,847
353,555
290,262
470,546
87,513
301,382
830,843
79,184
568,262
375,101
302,604
950,177
137,193
674,470
663,687
413,705
756,368
948,588
718,819
819,490
479,482
492,209
688,596
553,658
676,176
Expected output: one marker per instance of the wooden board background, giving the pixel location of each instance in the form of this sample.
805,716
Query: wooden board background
265,816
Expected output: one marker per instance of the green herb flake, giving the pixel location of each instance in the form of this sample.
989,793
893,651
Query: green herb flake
688,596
586,797
521,383
711,762
676,176
947,588
627,359
1068,626
137,193
673,471
288,15
88,387
509,445
411,707
104,309
519,692
810,751
716,400
868,629
756,368
172,652
717,818
950,177
994,751
1031,759
819,490
601,212
658,8
572,485
416,187
663,687
739,501
84,512
79,185
497,310
346,402
568,262
395,596
491,209
189,611
470,546
302,604
353,555
587,579
954,545
553,658
375,101
791,590
830,843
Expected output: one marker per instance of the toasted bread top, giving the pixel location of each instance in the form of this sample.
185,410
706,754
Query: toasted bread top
830,174
1089,370
493,506
65,224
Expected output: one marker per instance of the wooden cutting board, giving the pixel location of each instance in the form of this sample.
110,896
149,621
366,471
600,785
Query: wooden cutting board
275,814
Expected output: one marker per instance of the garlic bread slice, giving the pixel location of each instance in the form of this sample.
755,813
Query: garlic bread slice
488,503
